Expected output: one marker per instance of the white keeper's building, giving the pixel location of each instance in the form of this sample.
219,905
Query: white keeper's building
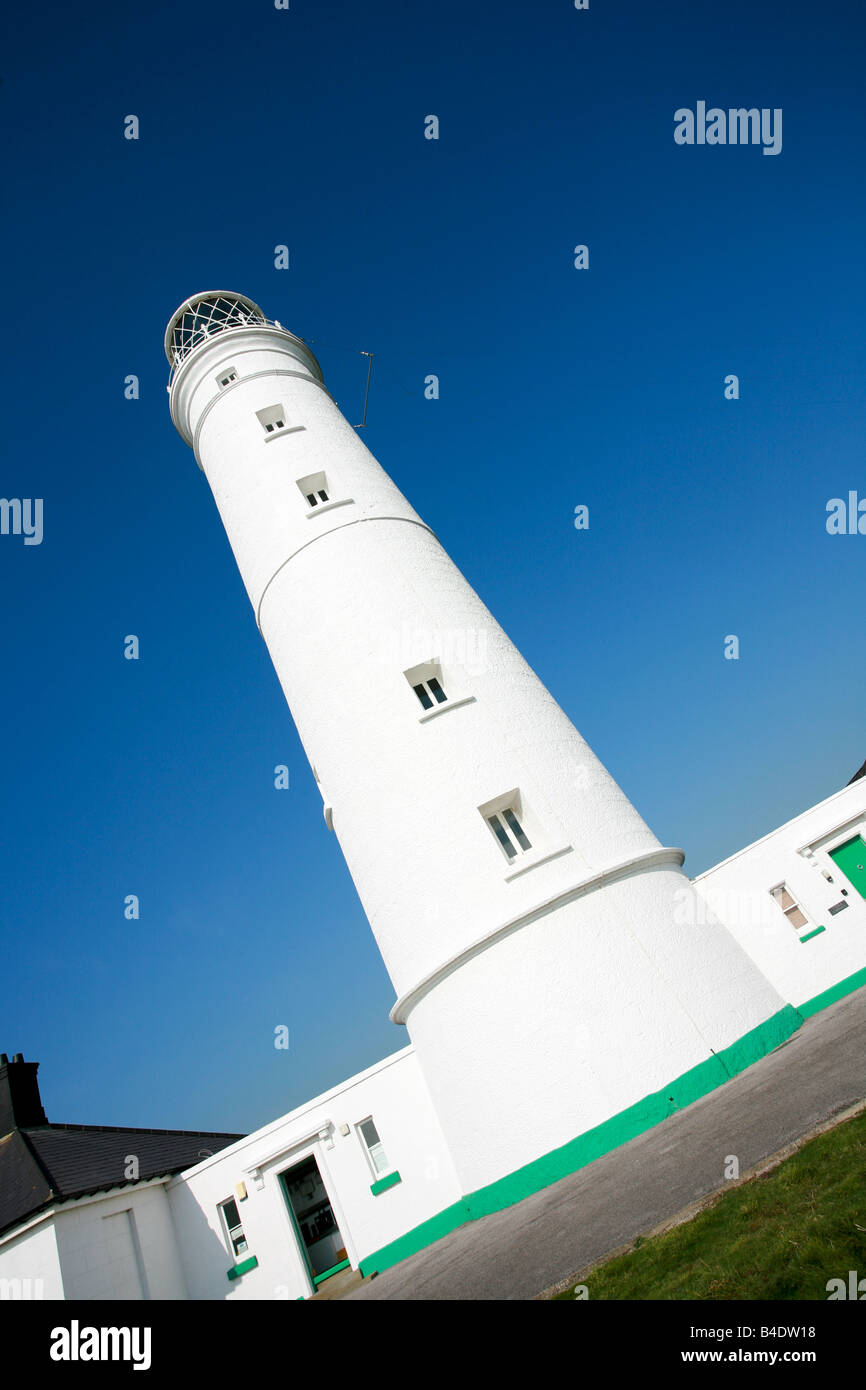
564,979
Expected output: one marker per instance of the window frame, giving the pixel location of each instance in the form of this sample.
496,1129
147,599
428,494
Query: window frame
314,484
542,847
227,1229
421,679
273,420
499,810
794,906
388,1166
449,684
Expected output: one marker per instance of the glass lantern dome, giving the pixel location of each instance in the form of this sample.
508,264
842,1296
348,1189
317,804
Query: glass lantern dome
202,316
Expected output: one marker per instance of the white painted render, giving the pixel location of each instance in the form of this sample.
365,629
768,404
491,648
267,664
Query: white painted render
349,597
394,1094
632,1006
30,1262
740,889
119,1245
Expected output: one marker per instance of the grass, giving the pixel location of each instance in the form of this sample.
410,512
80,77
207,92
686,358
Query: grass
778,1236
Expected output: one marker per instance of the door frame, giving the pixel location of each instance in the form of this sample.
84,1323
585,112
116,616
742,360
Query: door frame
858,834
830,840
296,1162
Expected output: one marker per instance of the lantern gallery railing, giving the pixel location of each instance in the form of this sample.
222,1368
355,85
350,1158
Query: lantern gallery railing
202,316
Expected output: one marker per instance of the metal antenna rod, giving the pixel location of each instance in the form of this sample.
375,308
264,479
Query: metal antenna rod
367,392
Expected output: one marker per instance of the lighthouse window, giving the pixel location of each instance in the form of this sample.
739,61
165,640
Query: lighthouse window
314,489
790,907
506,818
426,681
509,832
501,835
272,419
516,829
227,378
429,691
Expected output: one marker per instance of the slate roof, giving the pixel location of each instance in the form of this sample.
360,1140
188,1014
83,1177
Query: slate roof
52,1163
858,775
24,1188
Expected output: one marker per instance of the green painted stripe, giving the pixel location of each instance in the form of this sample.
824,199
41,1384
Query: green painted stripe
586,1148
431,1230
326,1274
714,1071
830,996
810,934
242,1268
384,1183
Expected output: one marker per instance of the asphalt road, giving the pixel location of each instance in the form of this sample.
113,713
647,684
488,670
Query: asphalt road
526,1249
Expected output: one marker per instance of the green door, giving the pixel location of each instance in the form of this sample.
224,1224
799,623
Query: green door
851,859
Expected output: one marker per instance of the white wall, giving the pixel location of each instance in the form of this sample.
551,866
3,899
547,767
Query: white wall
32,1256
639,1000
739,891
394,1094
96,1241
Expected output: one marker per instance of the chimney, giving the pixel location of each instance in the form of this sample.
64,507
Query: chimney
20,1103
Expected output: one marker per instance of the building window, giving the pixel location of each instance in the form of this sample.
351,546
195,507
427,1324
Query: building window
790,907
376,1155
523,839
314,489
428,691
426,681
509,832
272,419
227,378
233,1227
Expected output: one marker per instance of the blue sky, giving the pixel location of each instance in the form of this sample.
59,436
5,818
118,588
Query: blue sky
559,387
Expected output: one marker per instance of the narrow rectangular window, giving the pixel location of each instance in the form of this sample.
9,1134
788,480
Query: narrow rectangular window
272,419
506,816
516,828
314,489
233,1226
790,907
373,1145
502,835
227,377
426,681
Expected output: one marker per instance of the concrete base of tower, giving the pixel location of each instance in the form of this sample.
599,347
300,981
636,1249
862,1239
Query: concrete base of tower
551,1030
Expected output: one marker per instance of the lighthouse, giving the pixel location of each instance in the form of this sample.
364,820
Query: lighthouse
550,962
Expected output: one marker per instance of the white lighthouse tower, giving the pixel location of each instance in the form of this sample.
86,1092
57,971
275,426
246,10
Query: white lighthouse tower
549,962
